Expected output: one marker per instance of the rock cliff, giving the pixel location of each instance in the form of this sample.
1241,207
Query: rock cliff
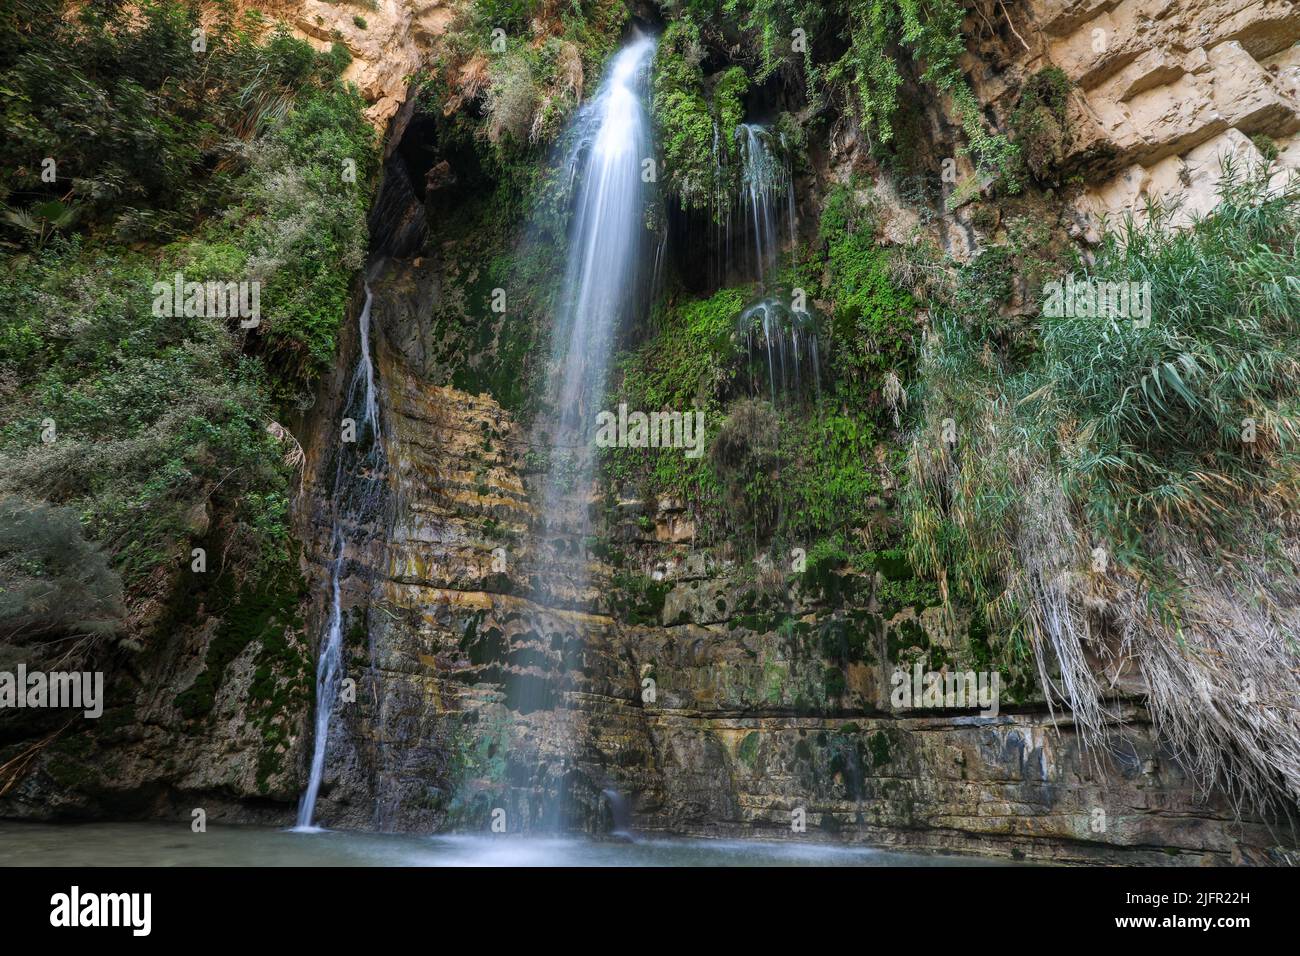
673,679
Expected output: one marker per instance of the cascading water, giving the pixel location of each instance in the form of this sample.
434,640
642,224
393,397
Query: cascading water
754,206
766,197
607,238
787,339
610,262
605,265
777,329
359,464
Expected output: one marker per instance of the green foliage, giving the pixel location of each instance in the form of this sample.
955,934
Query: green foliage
695,119
688,363
509,15
1161,409
872,325
1143,427
985,284
305,229
1039,122
1133,481
54,584
729,92
801,471
143,129
639,597
1266,145
829,478
745,455
794,472
153,416
156,427
259,612
866,71
684,121
552,52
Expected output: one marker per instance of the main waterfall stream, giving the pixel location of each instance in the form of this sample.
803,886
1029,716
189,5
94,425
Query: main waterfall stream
603,287
605,259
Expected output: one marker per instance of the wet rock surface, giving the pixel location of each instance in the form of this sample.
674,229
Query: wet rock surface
710,710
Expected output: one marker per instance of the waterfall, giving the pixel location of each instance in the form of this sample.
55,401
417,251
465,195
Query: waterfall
765,188
754,210
607,236
358,466
776,332
610,264
606,266
786,340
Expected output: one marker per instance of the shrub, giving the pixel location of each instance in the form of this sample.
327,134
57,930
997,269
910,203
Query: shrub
512,99
872,324
683,119
55,586
165,427
1039,122
1266,145
1120,491
871,35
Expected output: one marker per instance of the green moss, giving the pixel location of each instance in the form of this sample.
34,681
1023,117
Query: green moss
747,752
638,598
872,320
694,126
1266,145
683,120
880,749
916,593
263,612
729,102
823,562
842,642
1039,122
905,636
833,682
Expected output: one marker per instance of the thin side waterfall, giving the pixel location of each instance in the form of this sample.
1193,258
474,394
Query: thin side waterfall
611,261
765,191
754,214
778,331
358,467
784,339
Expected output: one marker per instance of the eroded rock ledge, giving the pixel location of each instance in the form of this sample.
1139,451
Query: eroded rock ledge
475,696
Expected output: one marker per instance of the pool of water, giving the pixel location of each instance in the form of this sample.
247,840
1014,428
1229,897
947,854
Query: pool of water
148,844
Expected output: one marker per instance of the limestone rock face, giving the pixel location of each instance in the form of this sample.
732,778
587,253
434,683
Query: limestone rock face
492,675
389,40
1164,89
499,667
